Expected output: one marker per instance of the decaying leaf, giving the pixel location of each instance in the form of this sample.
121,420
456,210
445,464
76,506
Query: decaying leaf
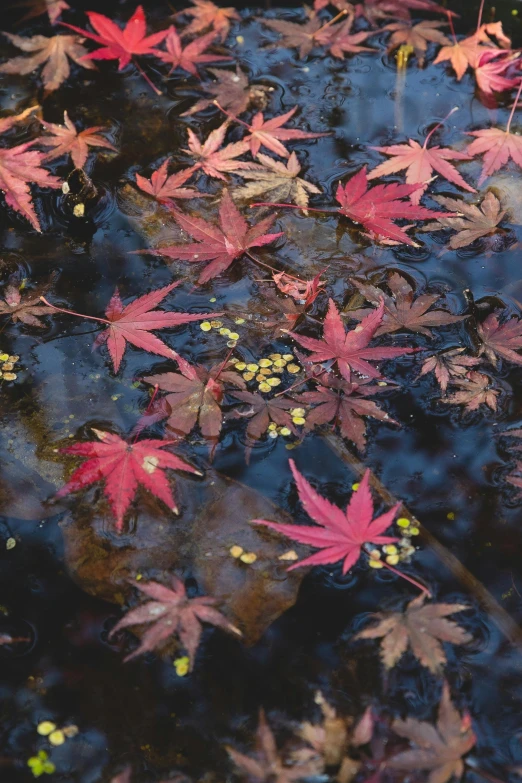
171,611
439,749
421,628
476,221
449,365
206,14
122,466
417,36
338,535
500,339
66,140
402,310
276,179
475,390
232,91
54,52
297,36
267,764
26,309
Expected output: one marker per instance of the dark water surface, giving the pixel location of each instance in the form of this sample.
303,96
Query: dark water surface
448,468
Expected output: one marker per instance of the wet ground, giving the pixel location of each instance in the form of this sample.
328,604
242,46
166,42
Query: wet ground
449,468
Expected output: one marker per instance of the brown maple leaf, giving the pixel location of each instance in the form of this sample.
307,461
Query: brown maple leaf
417,36
172,612
345,405
500,339
65,139
261,411
28,309
195,395
422,628
232,91
448,365
214,159
299,36
267,764
478,220
206,14
341,40
439,748
401,310
278,179
51,51
475,391
53,9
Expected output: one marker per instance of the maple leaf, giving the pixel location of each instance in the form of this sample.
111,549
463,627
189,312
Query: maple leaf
420,162
267,764
190,56
448,365
341,40
490,73
476,390
122,466
299,36
422,628
53,9
467,53
195,396
164,187
206,14
118,44
497,146
303,291
270,134
401,310
219,245
377,207
262,411
373,10
500,339
476,221
344,405
214,159
349,349
171,611
417,36
51,51
232,91
19,166
438,749
28,310
340,535
65,139
278,179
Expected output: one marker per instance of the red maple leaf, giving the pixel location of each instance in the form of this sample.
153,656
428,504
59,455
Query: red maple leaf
491,71
190,56
341,535
133,324
65,139
172,612
375,209
118,44
213,159
497,145
195,396
420,162
122,466
349,349
219,245
344,405
163,187
19,166
270,134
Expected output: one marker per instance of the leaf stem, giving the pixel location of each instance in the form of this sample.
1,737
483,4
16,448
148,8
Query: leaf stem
508,126
332,21
291,206
261,263
439,125
481,11
410,579
227,357
231,116
78,315
142,73
451,26
139,430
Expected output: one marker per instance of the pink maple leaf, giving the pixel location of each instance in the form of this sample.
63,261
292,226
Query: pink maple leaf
190,56
214,159
341,534
19,166
164,187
